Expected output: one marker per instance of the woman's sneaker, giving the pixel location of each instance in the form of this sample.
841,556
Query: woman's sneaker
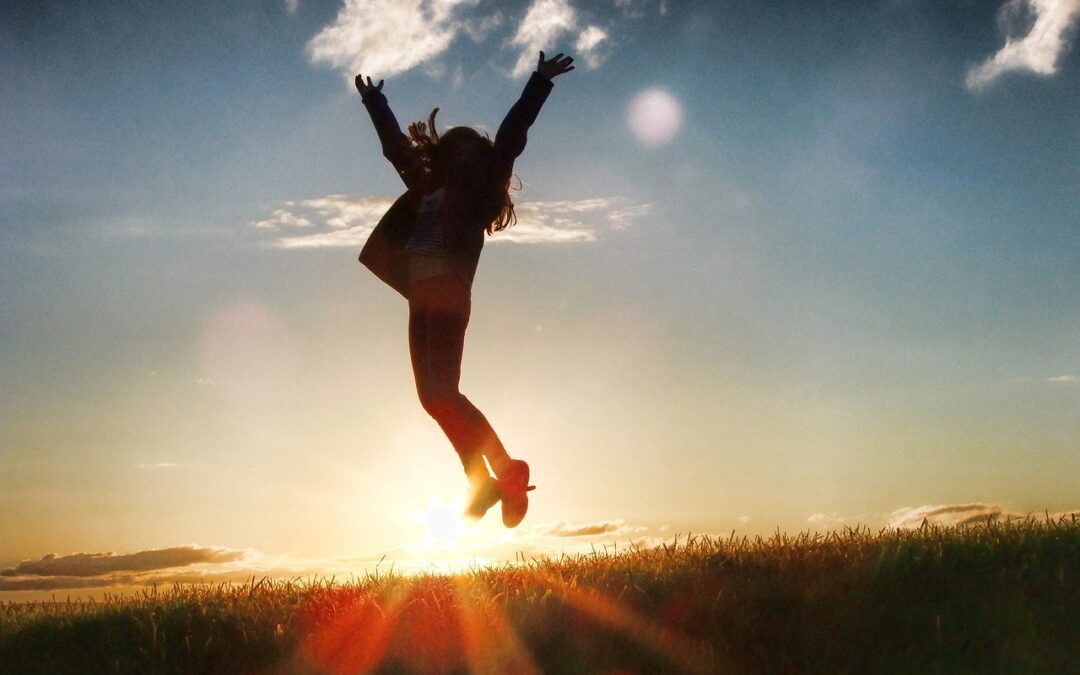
482,497
514,488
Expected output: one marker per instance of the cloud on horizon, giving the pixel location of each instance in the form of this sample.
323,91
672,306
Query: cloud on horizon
1063,379
96,564
383,38
209,564
180,564
1049,25
564,529
948,515
945,515
97,570
344,221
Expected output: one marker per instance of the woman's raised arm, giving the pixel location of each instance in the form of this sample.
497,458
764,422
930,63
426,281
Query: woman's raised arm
513,132
395,145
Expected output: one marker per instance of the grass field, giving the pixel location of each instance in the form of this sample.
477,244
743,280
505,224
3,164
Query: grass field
997,597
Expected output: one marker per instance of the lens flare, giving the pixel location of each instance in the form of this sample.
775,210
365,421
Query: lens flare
654,117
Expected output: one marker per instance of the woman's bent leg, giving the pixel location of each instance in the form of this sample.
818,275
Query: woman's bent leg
437,323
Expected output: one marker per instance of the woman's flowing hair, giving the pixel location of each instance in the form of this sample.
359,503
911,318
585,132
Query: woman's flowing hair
425,139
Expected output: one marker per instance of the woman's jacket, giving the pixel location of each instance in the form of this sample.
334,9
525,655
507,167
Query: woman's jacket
467,220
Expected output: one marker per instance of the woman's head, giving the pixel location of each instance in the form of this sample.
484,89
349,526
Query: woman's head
461,150
463,143
457,144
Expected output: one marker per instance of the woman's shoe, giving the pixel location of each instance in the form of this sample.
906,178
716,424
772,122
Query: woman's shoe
482,497
514,488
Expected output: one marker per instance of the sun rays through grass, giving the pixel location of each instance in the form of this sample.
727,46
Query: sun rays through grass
999,596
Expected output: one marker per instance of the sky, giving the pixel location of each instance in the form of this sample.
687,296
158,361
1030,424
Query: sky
778,266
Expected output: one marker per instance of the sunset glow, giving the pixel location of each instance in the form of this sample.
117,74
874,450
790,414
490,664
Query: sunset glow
803,267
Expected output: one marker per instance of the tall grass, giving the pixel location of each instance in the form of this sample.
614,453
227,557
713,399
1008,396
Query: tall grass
996,597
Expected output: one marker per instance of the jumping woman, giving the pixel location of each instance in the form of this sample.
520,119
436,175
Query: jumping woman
427,247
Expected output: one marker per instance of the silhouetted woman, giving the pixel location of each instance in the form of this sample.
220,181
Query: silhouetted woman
427,247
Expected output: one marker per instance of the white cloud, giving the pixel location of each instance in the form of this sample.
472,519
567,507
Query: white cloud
561,231
587,43
1039,50
386,37
634,9
911,517
824,519
1063,379
479,29
573,206
349,221
836,521
340,211
606,527
291,6
544,22
282,218
947,515
622,218
963,514
343,221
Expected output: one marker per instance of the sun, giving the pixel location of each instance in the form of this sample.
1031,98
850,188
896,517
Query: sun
442,524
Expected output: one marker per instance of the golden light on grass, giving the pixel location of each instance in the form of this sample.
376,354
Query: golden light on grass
919,597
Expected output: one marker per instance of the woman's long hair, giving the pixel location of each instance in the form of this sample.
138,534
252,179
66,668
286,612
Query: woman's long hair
427,142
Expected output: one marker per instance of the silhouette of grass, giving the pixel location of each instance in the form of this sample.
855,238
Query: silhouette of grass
997,597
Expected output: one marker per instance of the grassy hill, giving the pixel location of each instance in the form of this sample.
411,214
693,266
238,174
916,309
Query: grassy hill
999,597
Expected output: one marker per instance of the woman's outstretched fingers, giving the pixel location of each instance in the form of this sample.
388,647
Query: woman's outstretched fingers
368,87
557,65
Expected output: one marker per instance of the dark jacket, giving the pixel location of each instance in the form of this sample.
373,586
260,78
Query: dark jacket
384,252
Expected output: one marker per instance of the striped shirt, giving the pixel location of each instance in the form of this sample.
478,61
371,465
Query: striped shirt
427,235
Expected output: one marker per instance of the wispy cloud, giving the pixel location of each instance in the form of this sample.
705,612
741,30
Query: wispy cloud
1038,51
1063,379
910,517
341,221
963,514
608,527
588,45
291,6
344,221
544,23
827,520
282,218
386,37
946,514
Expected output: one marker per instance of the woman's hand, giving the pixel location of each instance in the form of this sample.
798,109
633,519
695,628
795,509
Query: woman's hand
368,88
553,67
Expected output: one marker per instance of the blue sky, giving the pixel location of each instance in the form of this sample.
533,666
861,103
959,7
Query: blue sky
843,288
